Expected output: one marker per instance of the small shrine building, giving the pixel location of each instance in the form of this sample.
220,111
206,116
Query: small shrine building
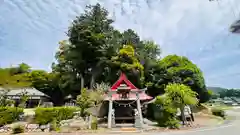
125,102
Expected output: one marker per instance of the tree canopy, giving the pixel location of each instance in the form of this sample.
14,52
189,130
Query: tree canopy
177,96
178,69
95,52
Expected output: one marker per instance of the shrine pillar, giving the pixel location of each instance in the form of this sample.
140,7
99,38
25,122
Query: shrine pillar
139,109
110,110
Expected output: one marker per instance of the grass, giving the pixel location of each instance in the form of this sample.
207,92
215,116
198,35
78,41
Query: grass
29,111
218,106
223,107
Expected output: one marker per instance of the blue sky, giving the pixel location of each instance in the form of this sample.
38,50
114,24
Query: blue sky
31,29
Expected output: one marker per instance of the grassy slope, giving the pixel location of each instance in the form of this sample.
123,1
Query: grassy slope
216,89
13,81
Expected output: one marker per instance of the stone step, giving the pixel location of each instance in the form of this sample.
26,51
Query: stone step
128,129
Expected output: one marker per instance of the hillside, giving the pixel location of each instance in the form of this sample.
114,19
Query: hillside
216,89
15,76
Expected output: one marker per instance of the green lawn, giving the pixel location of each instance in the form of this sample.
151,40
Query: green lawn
29,111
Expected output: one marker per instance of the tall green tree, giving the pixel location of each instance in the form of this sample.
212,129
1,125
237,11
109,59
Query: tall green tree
68,78
48,83
21,68
88,34
180,95
178,69
127,62
149,57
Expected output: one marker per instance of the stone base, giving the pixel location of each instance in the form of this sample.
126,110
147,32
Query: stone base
113,123
137,123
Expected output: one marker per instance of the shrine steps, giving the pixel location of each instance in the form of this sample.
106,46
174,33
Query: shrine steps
126,130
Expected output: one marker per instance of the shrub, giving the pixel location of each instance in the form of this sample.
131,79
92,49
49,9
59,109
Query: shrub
218,112
54,126
44,116
94,124
172,123
165,113
18,129
9,114
167,119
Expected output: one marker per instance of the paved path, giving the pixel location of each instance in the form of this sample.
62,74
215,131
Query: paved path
232,128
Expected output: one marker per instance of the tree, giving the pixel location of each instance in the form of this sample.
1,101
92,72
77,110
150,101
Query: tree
48,83
213,95
97,93
84,101
68,77
230,93
149,57
178,69
89,52
24,68
130,37
165,112
23,99
92,97
4,100
180,95
127,62
88,34
21,68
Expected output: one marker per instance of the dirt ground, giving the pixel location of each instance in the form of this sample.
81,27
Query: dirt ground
201,120
207,120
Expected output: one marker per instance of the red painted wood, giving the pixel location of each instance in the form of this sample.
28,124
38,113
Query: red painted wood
123,79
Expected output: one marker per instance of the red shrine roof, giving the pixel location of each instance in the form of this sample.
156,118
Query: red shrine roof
123,80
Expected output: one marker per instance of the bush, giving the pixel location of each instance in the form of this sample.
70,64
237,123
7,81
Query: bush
45,116
172,123
54,126
18,129
94,124
165,114
167,118
9,114
219,112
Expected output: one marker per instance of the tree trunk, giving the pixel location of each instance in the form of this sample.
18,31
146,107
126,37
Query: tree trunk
82,81
183,115
92,81
95,72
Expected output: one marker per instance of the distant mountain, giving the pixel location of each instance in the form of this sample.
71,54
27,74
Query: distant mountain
216,89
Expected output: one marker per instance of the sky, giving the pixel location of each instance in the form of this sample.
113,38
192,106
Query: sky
31,29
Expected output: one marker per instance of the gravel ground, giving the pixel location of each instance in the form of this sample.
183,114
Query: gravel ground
200,121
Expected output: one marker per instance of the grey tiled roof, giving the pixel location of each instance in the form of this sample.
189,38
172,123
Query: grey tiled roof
28,91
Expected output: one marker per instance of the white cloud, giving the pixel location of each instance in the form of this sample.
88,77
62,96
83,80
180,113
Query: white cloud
30,30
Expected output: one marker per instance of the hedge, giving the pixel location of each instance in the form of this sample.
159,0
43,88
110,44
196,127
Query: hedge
9,114
219,112
45,116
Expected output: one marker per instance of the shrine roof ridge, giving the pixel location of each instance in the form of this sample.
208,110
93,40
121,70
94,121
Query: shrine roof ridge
119,82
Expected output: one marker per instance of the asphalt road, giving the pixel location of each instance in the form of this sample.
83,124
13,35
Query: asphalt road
229,128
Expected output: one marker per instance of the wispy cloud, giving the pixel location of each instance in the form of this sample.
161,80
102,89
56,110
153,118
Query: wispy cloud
198,29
